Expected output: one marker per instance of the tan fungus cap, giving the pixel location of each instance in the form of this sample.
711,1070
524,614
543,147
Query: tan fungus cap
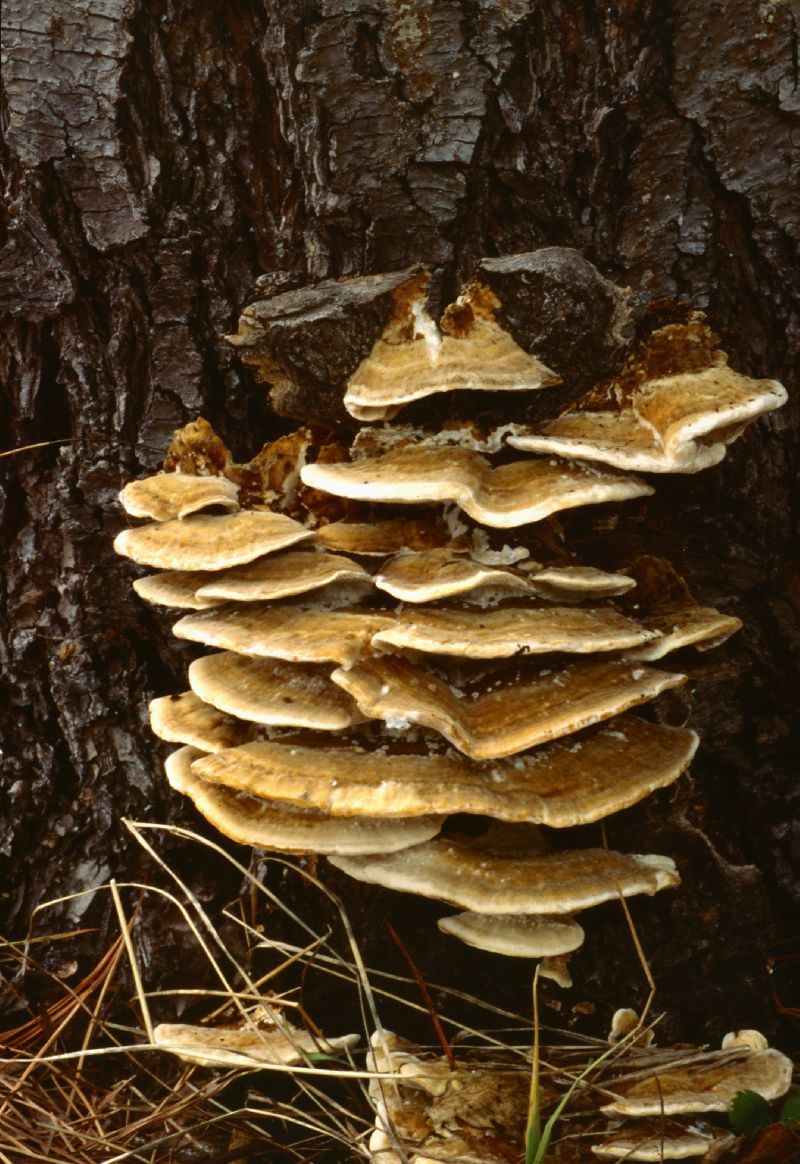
663,601
282,576
169,495
287,829
480,880
576,583
519,712
564,783
511,495
285,632
671,1143
186,719
673,409
414,358
209,542
515,935
705,1082
267,691
176,588
429,575
282,1045
512,630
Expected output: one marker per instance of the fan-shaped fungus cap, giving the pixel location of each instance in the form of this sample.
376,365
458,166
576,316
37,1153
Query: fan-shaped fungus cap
576,583
663,602
560,784
288,829
671,1143
170,495
515,935
482,881
510,495
512,630
706,1082
673,409
282,576
413,358
519,712
186,719
285,632
209,542
176,588
267,691
430,575
378,539
247,1048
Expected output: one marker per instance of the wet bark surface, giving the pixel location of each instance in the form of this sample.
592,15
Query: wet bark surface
159,158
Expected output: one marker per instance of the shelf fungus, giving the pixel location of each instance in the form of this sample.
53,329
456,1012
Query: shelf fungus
389,656
674,408
427,1109
269,1040
661,1093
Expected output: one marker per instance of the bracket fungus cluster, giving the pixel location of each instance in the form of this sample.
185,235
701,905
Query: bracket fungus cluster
652,1104
387,654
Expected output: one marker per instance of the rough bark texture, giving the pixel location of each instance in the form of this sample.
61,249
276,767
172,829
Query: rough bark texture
159,156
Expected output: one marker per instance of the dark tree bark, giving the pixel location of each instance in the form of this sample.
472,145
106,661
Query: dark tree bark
159,156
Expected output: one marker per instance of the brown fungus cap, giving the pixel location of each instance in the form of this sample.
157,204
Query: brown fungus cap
169,495
564,783
485,881
186,719
512,630
414,358
511,495
673,409
519,712
515,935
204,542
267,691
177,588
282,576
279,1044
287,829
285,632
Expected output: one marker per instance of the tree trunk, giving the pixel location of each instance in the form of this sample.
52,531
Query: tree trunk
159,156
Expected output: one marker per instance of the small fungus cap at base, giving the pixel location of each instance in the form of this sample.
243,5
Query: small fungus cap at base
282,1045
673,1143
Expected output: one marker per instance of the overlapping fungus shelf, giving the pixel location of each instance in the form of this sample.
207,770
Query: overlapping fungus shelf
371,596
